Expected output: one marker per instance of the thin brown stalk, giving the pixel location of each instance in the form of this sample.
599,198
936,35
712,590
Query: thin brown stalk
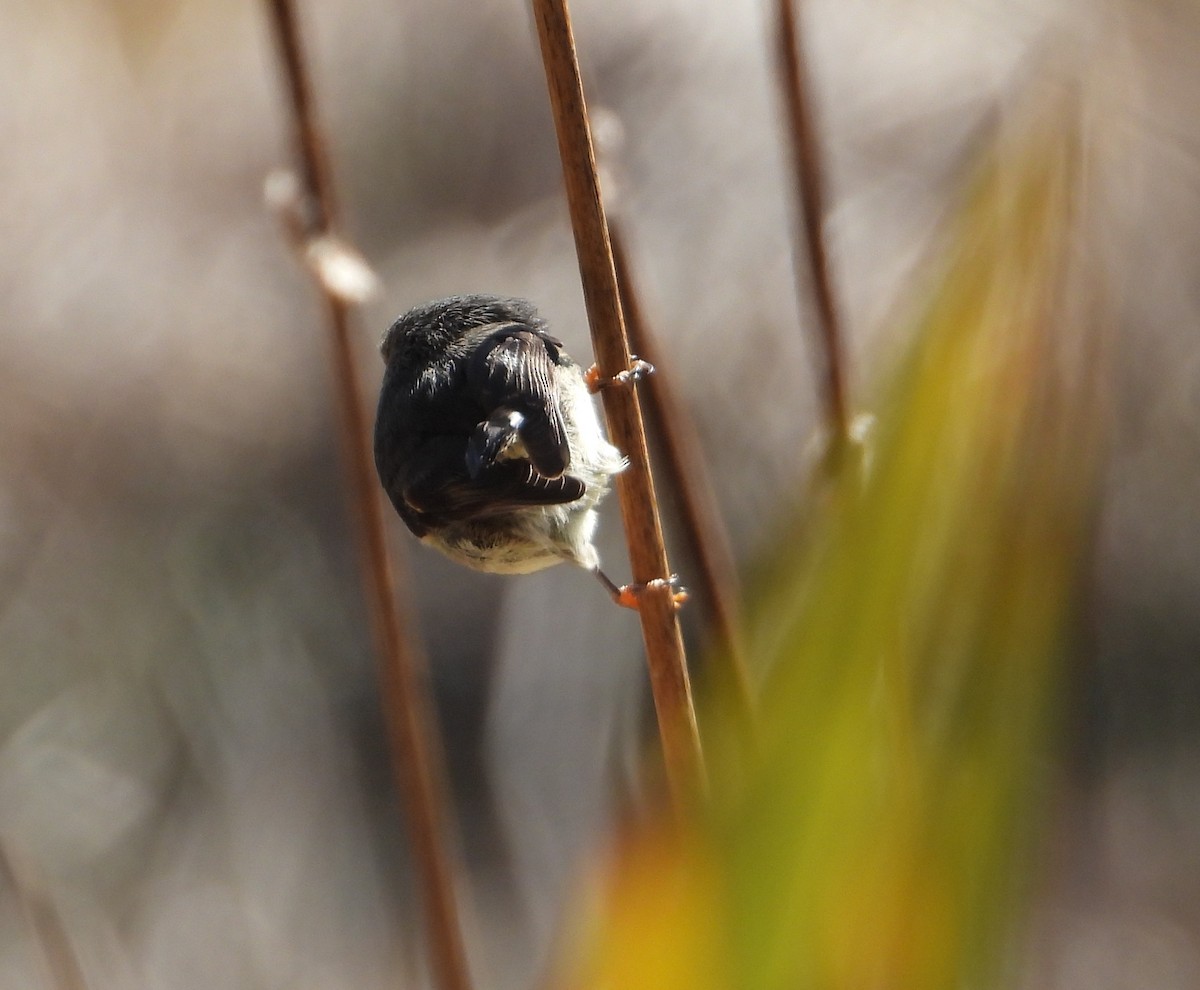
687,476
810,207
639,508
416,758
44,922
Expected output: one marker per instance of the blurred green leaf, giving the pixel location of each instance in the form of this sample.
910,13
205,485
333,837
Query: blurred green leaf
877,833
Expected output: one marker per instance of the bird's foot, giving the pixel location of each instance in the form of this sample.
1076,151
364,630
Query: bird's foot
630,595
637,370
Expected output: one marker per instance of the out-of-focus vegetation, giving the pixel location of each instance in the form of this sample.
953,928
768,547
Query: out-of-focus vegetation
913,634
192,767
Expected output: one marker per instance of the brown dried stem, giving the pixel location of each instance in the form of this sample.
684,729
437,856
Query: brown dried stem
639,508
810,206
688,477
417,760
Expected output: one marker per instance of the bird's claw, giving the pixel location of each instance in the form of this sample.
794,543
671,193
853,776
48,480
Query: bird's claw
630,595
637,370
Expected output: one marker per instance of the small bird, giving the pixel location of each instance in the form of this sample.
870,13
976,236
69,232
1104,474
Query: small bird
487,440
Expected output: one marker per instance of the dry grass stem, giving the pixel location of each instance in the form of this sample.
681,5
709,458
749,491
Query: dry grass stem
687,476
416,758
639,508
810,207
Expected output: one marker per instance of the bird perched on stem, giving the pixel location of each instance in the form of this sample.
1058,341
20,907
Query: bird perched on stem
487,440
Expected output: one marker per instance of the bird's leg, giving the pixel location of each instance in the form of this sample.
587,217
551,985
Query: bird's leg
637,370
629,595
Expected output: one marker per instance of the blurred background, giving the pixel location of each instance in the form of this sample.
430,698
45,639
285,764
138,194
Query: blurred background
192,767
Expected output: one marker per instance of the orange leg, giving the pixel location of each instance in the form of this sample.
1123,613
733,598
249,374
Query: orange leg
638,370
629,595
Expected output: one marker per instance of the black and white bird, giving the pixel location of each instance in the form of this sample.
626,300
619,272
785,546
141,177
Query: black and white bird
487,439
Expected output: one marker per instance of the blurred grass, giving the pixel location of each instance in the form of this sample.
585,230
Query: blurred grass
878,833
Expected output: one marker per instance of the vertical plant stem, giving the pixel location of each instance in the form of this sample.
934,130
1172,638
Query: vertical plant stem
416,758
810,207
639,508
688,478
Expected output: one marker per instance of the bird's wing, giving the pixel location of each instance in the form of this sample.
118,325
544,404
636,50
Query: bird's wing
434,488
513,369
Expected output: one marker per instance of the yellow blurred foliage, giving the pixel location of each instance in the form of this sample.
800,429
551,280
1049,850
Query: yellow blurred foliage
876,833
